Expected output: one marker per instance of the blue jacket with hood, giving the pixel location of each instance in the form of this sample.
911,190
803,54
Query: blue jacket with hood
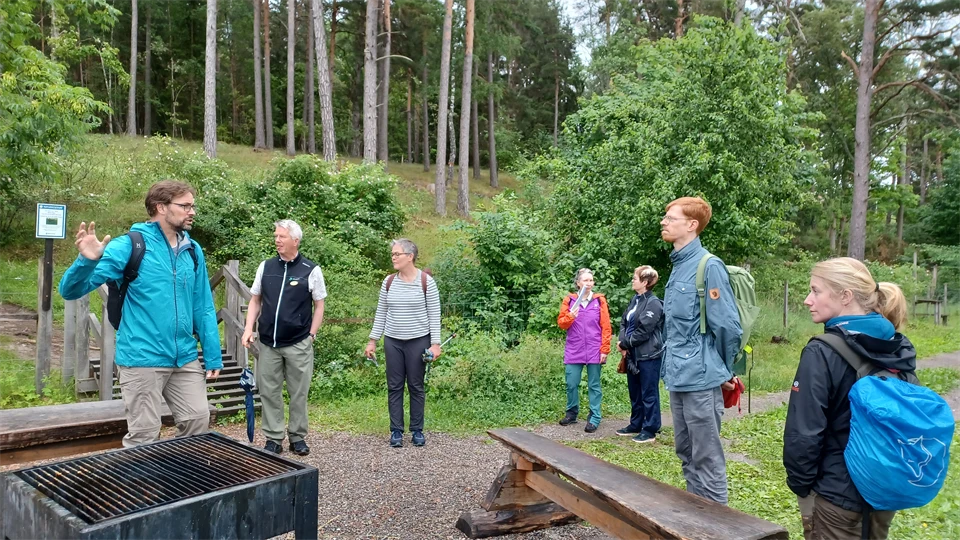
693,361
166,305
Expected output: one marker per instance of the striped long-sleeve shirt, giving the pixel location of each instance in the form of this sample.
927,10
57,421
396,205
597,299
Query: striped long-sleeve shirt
404,313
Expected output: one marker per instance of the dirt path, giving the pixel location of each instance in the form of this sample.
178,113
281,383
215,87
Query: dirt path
20,326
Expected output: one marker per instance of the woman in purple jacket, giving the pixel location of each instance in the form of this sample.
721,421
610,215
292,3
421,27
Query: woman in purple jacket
587,322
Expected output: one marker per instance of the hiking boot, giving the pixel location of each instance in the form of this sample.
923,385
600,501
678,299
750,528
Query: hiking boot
644,438
590,427
273,446
396,439
569,418
300,448
627,432
418,439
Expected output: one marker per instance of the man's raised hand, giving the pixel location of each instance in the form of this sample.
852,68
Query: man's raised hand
87,242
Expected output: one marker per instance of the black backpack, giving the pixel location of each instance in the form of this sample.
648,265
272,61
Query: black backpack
118,289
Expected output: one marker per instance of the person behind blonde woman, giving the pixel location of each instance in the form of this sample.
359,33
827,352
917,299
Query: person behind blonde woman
641,343
586,319
408,318
850,303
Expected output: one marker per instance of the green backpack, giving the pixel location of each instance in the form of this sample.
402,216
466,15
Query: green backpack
744,294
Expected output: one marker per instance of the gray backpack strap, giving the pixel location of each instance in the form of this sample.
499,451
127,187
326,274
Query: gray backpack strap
837,343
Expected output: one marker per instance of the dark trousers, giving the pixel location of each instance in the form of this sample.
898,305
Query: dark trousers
644,388
405,365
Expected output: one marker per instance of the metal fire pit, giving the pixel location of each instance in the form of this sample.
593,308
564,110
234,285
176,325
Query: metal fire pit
206,486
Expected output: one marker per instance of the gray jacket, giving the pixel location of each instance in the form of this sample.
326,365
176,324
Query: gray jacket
693,361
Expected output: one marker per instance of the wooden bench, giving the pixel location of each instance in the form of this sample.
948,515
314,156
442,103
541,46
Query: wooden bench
546,484
54,431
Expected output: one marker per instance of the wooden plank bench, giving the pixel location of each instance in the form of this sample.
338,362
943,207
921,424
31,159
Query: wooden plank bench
53,431
546,484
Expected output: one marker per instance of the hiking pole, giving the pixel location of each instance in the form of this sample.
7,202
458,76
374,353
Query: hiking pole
428,358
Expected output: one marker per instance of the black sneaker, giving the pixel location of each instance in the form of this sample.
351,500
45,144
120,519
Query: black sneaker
273,446
396,439
644,438
418,439
627,432
300,448
590,427
569,418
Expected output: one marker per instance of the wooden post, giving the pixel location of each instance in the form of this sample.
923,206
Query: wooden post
82,341
107,352
786,303
914,284
233,307
69,359
933,284
44,316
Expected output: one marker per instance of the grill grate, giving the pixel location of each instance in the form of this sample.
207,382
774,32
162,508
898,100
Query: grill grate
115,484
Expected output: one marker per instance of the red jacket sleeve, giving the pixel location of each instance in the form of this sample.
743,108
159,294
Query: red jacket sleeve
565,319
605,331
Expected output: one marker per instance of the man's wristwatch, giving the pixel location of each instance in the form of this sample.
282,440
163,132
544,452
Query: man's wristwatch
313,337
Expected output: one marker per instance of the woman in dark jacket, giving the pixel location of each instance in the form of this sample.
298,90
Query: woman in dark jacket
641,343
846,299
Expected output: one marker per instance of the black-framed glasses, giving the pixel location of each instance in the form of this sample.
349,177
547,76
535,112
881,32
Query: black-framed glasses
187,207
395,255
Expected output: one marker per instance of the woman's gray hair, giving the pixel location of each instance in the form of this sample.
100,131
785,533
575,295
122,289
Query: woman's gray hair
291,226
406,245
580,274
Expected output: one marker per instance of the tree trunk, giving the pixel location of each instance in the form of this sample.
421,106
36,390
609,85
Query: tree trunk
210,83
463,194
370,85
475,126
234,93
856,246
325,84
132,93
147,106
678,22
738,15
451,132
309,106
939,164
832,233
904,181
441,183
291,80
258,137
426,109
556,103
333,38
382,146
491,119
923,173
267,79
409,115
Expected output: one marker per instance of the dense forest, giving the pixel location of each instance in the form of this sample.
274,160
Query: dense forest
863,94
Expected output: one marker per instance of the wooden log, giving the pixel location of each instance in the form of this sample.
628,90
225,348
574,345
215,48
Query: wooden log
589,507
44,328
68,361
509,490
232,335
82,343
479,523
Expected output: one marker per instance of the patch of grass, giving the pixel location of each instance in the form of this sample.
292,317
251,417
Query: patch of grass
17,383
940,380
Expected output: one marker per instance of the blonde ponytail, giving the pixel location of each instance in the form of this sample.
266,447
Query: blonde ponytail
845,273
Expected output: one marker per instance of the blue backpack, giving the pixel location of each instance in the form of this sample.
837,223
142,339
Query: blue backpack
900,434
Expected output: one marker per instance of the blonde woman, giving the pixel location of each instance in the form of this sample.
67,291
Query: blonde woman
850,303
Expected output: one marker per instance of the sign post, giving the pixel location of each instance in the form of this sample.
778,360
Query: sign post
51,225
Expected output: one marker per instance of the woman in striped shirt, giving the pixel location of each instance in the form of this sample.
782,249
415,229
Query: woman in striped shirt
408,318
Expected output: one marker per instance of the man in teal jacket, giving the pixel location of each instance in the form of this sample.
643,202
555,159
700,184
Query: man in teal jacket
696,366
168,303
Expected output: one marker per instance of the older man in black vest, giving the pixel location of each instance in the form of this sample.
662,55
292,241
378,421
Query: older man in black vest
287,304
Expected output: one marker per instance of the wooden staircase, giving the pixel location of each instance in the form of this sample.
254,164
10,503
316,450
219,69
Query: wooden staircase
224,393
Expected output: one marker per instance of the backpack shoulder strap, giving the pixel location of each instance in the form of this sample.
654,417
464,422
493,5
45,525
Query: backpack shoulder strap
838,344
390,279
193,254
702,290
138,249
423,283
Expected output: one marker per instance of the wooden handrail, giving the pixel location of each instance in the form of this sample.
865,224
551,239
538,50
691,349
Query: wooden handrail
234,281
